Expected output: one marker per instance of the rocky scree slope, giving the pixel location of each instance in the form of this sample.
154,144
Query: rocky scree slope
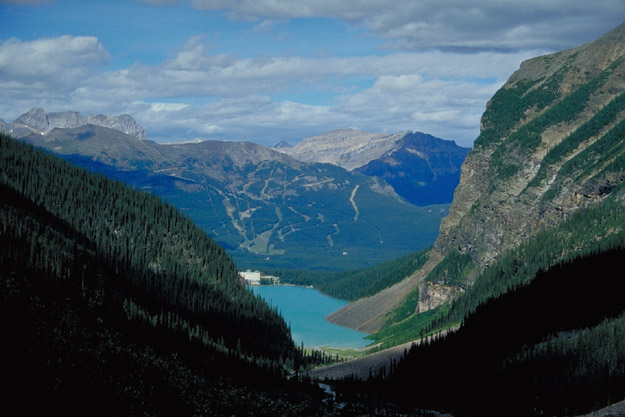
552,142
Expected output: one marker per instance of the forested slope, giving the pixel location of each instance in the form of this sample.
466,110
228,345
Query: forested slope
114,303
587,232
161,258
523,354
354,284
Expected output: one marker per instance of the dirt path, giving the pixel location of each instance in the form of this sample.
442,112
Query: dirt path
351,200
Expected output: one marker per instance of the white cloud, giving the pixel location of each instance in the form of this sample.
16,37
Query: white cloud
198,94
445,59
53,64
449,24
442,94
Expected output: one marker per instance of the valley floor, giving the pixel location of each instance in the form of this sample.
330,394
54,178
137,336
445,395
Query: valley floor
370,364
362,367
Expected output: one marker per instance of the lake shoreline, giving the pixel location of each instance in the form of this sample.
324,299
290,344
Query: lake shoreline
305,309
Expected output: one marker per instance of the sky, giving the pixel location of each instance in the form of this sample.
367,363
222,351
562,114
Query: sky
271,70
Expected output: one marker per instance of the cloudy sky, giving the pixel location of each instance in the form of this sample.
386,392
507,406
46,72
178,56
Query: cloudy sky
271,70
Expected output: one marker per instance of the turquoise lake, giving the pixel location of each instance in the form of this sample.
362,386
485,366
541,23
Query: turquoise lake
305,309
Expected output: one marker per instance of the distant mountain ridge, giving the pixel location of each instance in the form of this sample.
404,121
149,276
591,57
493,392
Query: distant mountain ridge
421,168
36,120
265,207
347,148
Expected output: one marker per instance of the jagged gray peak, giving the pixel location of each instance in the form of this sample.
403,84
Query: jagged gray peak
35,119
124,123
347,148
38,121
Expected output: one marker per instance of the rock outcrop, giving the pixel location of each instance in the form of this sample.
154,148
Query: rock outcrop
347,148
531,167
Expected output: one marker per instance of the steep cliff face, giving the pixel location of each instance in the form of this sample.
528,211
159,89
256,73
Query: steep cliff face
552,142
124,123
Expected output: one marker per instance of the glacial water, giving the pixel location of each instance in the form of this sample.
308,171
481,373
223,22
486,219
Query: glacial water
305,310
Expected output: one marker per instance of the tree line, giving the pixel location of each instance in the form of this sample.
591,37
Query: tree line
355,284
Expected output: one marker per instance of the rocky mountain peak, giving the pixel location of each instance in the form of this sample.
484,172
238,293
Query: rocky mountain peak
35,119
124,123
347,148
38,121
614,38
282,144
572,67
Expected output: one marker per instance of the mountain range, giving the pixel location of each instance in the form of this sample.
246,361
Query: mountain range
421,168
552,144
111,297
36,120
265,207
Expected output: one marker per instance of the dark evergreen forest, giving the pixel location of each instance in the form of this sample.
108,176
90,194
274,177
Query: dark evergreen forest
113,303
552,346
354,284
162,268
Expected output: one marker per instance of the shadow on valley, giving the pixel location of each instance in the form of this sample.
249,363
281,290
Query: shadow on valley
553,347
